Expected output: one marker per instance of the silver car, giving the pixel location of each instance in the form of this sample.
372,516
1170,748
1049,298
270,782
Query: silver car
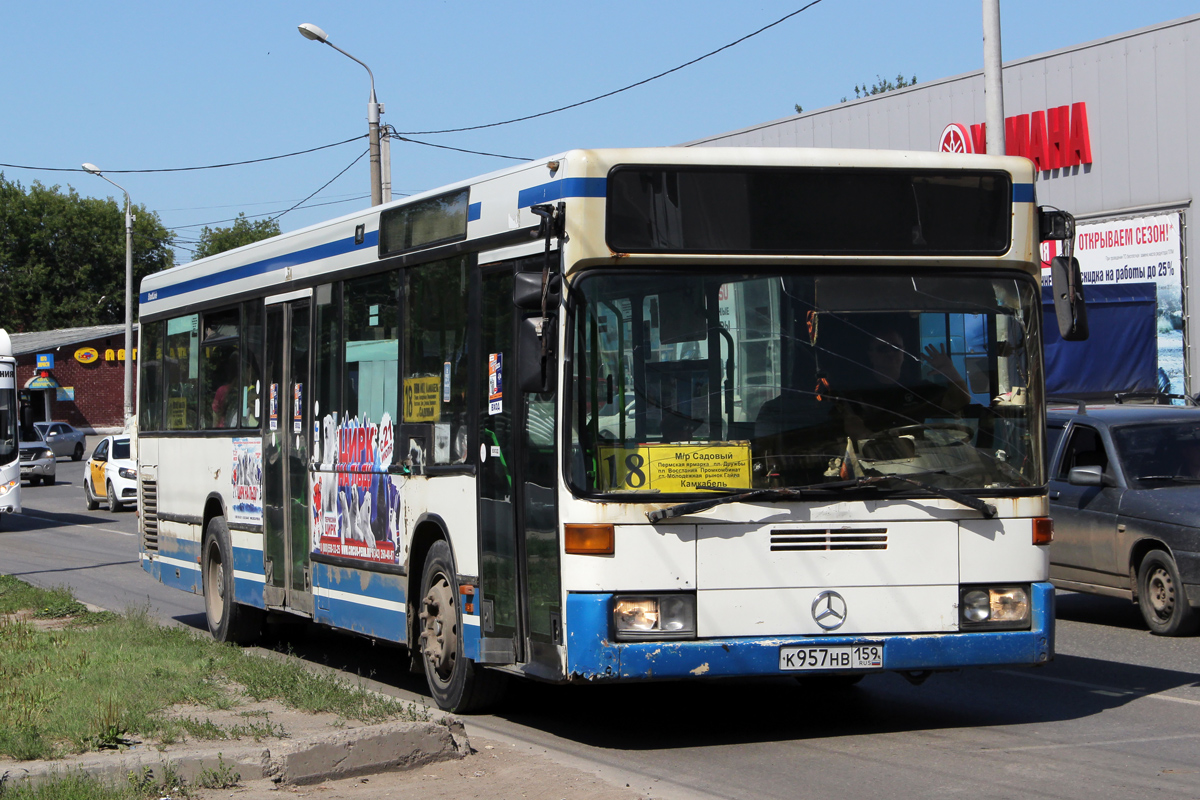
63,439
38,462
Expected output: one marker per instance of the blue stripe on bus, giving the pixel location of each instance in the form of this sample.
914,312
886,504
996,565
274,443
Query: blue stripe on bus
591,654
1023,193
561,189
473,211
321,251
381,623
364,582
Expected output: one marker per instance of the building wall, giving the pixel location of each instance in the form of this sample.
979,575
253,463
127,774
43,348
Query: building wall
1142,92
99,386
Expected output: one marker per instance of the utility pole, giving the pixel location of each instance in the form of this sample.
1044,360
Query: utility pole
993,79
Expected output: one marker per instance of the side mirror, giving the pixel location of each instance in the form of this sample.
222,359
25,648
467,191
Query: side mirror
1086,476
1069,305
527,291
535,371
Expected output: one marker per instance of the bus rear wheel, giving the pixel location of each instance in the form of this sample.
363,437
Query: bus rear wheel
456,683
228,620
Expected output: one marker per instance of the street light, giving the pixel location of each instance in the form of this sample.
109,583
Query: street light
92,168
310,31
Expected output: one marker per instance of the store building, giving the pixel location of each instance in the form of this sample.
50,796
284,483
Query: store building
74,375
1114,128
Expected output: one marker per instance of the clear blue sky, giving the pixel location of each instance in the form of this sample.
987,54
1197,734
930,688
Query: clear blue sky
150,85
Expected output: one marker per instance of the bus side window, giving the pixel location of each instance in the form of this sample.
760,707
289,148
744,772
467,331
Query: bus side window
435,356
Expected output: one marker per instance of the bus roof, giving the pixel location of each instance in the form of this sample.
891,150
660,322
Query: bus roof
498,209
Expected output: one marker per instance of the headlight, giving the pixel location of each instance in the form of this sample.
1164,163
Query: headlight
994,608
664,616
126,472
41,454
7,487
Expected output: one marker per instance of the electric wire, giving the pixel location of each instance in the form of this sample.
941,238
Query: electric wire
643,82
191,169
331,180
458,149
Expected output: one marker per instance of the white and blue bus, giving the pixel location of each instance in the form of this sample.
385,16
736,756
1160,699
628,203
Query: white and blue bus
621,415
10,458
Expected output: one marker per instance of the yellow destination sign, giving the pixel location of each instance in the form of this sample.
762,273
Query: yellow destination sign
665,468
423,399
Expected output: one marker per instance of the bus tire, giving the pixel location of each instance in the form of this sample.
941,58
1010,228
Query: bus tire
456,683
228,620
1161,597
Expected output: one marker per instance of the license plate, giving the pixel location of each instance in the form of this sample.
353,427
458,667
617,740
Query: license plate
853,656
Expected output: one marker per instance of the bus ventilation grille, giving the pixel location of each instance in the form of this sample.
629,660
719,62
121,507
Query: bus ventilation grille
829,539
149,506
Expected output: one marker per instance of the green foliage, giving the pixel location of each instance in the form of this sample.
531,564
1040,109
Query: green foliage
88,686
62,256
241,232
882,85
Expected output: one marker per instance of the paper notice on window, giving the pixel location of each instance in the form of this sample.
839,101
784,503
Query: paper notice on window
422,399
666,468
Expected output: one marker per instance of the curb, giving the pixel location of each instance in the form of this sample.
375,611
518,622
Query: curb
369,749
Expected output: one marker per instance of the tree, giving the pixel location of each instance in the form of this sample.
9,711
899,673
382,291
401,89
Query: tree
242,231
62,257
880,86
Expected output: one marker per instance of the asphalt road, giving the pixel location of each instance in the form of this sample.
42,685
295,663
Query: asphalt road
1117,713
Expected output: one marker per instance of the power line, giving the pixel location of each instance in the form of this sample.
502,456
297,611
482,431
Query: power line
616,91
191,169
269,213
459,149
331,180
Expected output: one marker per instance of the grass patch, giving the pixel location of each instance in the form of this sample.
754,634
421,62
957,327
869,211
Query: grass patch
142,785
104,679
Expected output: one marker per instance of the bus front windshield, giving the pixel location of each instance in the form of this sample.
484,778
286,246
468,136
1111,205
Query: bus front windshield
691,383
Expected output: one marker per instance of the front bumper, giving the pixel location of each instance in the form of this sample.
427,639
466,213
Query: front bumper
593,655
41,469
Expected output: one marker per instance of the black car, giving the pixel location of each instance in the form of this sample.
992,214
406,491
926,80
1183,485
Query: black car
1125,499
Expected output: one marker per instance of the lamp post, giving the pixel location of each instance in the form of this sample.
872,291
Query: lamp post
310,31
92,168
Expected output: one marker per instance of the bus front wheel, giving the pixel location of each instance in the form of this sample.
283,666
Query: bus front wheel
228,620
456,683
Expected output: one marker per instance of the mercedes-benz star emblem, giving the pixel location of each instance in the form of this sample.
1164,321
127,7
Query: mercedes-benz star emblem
829,610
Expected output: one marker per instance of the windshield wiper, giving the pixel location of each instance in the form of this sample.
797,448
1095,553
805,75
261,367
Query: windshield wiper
783,493
1174,478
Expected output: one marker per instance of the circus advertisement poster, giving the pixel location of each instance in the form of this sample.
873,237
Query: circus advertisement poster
246,490
355,505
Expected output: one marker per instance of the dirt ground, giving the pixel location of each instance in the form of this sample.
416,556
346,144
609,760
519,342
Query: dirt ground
496,771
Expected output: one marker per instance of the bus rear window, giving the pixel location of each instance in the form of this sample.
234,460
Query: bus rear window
808,211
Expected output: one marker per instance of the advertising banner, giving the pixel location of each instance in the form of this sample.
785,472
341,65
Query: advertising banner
1139,250
247,502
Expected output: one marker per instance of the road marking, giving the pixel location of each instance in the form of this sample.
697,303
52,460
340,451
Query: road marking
54,518
1106,743
1110,691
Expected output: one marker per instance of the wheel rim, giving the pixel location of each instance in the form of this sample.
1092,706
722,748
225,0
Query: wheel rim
214,583
112,497
439,629
1160,591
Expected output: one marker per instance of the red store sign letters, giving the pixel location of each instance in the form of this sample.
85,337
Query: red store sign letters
1051,139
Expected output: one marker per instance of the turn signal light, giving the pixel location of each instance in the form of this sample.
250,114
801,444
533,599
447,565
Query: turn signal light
589,540
1043,530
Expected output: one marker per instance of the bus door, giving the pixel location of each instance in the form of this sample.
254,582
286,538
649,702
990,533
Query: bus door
520,617
286,545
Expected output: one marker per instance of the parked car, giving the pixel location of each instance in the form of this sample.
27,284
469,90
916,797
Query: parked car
63,439
1125,498
110,473
38,462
